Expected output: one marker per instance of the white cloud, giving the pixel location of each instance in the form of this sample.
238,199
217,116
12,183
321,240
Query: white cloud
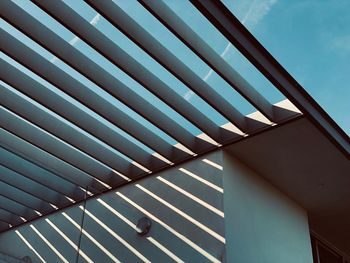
75,39
341,43
95,20
188,95
256,12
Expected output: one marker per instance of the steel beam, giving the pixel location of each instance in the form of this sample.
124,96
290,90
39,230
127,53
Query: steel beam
222,18
86,67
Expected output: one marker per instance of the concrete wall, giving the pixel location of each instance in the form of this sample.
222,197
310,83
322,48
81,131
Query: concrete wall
185,204
262,224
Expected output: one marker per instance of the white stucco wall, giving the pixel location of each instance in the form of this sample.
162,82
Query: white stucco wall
262,225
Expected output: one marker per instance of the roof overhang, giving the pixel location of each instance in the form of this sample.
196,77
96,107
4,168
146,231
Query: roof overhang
303,163
45,139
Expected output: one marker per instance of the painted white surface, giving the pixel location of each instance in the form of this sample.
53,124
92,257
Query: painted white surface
262,225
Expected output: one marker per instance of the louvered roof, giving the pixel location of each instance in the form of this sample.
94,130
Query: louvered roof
98,93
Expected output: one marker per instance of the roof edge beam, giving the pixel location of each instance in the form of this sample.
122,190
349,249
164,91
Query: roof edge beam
223,19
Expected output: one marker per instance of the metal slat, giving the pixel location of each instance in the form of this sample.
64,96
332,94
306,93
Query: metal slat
52,101
217,13
44,140
14,216
35,173
121,59
6,216
40,166
77,116
46,194
49,72
25,198
25,206
157,51
179,28
17,208
4,226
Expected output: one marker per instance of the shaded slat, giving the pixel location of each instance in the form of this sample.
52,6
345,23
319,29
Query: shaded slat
218,14
16,208
46,194
3,207
184,32
6,216
85,66
44,140
42,167
77,116
115,15
34,172
4,226
25,198
25,206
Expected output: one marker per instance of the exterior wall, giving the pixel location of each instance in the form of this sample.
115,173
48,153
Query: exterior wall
262,224
185,205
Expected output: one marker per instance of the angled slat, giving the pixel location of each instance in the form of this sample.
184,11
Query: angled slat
13,215
33,213
51,100
25,198
115,15
16,208
90,99
46,194
42,167
6,216
179,28
218,14
44,140
4,226
77,116
57,77
36,173
121,59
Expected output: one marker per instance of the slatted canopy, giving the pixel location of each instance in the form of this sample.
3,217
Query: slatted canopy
74,131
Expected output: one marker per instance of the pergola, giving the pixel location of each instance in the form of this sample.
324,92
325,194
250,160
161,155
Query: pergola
54,154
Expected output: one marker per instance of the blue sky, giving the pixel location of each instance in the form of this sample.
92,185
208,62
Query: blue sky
310,38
